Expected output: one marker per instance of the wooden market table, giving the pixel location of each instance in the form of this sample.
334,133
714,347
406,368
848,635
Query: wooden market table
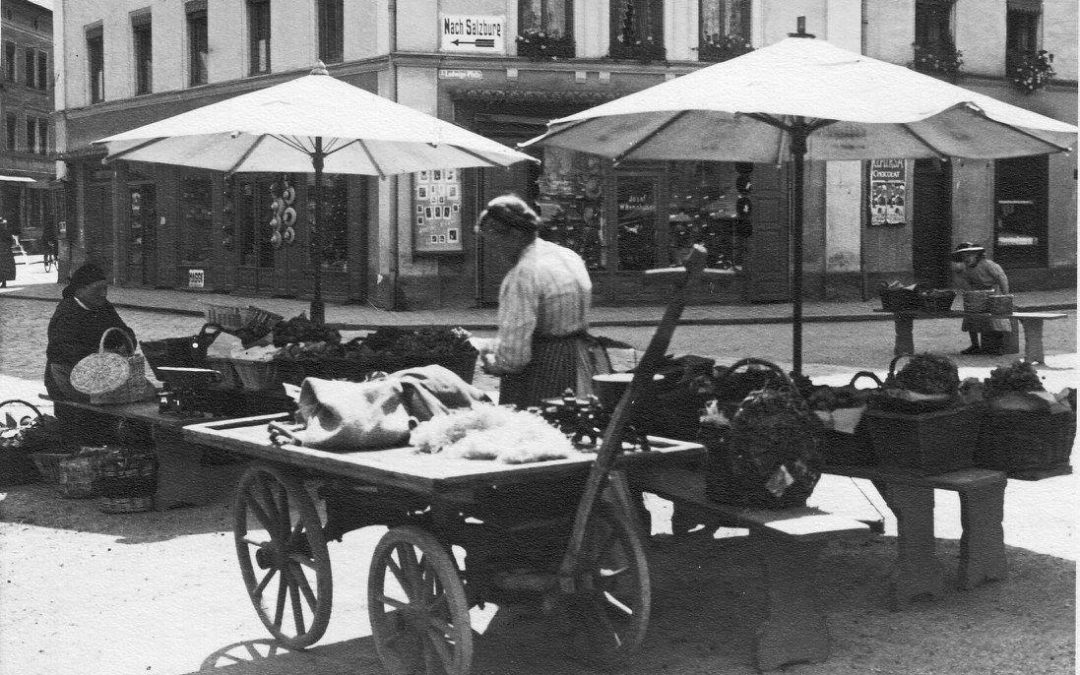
1032,323
911,498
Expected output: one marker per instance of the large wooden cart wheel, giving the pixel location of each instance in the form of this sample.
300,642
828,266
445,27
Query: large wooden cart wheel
608,613
416,602
283,556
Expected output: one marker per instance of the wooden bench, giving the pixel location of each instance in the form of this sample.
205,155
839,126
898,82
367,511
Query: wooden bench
788,545
911,499
1031,321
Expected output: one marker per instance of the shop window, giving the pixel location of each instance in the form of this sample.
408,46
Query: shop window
11,124
42,70
570,202
637,29
259,36
709,204
1020,227
198,44
9,61
95,53
636,205
335,212
143,50
253,197
935,47
725,29
331,30
196,221
545,28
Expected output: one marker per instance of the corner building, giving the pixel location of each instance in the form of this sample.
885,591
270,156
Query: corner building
503,68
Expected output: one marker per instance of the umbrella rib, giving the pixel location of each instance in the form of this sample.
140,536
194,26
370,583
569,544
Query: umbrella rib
940,155
552,134
247,153
292,142
132,149
371,158
647,137
1018,130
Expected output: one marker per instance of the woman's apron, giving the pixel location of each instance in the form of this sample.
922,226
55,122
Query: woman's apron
558,364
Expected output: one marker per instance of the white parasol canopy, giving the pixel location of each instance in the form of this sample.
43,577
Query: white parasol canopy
313,123
800,99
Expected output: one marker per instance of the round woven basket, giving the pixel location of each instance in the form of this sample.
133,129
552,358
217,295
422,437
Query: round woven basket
102,372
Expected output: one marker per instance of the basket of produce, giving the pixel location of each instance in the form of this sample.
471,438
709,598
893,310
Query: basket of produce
766,455
1024,428
180,352
257,375
976,301
229,317
80,472
844,439
918,422
937,300
897,297
999,304
17,419
127,480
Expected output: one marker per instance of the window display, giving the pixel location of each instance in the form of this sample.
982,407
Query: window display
571,204
335,211
710,204
636,235
197,221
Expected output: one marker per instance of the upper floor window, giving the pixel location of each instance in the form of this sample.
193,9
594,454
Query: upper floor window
42,70
11,123
935,47
545,28
332,31
1022,21
31,134
198,44
43,135
725,29
28,67
259,36
95,54
9,61
143,50
637,29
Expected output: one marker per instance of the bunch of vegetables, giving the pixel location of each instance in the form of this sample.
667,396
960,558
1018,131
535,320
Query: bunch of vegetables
928,373
1018,376
302,329
434,342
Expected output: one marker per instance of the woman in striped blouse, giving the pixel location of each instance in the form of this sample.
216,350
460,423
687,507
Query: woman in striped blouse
543,346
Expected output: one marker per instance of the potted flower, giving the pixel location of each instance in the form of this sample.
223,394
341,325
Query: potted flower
541,45
941,59
716,47
1030,70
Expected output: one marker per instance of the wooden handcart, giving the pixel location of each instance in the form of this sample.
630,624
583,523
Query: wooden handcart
461,533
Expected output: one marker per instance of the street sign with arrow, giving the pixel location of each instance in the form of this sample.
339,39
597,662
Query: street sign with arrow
472,33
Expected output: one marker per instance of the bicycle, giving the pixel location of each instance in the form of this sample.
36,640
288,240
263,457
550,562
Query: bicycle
48,258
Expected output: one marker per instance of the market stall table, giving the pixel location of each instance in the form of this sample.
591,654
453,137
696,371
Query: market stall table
1031,321
432,504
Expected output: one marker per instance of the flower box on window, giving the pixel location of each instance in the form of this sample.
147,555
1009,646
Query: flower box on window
939,59
644,50
716,47
541,45
1030,70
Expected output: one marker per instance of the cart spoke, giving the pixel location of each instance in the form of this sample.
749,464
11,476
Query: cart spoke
444,627
438,641
279,611
302,559
284,513
265,581
398,573
616,604
250,541
304,585
387,600
260,514
297,606
263,494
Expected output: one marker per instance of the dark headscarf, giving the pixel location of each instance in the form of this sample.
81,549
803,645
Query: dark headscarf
84,276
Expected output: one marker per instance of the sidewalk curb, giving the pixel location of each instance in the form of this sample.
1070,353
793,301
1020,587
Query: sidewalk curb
611,323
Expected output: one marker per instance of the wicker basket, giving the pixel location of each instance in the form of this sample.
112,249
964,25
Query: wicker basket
926,443
899,299
976,301
48,465
258,375
937,300
80,472
999,304
127,472
1022,440
126,504
230,379
228,317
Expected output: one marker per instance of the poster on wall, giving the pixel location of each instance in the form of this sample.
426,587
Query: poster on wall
437,211
888,192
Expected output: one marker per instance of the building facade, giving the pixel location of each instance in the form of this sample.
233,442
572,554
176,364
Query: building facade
504,68
30,199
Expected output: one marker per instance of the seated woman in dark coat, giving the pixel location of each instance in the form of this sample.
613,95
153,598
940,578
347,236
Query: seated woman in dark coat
75,331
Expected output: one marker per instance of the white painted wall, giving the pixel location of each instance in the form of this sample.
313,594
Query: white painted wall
843,180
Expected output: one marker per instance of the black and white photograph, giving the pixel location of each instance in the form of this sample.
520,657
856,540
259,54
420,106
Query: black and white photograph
614,336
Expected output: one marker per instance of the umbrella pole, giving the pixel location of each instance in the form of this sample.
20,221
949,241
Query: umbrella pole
318,308
798,151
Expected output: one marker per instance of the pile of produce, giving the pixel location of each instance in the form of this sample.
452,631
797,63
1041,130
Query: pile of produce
1017,376
302,329
928,382
300,339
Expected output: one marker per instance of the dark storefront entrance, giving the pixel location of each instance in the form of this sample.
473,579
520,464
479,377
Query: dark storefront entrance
931,233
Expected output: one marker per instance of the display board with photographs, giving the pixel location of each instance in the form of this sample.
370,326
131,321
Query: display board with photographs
437,211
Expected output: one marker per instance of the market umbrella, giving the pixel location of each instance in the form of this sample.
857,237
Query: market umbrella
313,123
800,99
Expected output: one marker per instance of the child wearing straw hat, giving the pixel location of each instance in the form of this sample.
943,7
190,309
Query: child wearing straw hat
972,271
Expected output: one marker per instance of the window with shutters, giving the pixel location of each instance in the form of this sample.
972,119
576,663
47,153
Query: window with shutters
198,44
10,68
143,51
259,36
725,29
28,67
545,29
637,30
95,54
43,71
331,31
11,124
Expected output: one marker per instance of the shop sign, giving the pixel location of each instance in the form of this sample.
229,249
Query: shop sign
888,192
472,33
447,74
437,215
196,278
